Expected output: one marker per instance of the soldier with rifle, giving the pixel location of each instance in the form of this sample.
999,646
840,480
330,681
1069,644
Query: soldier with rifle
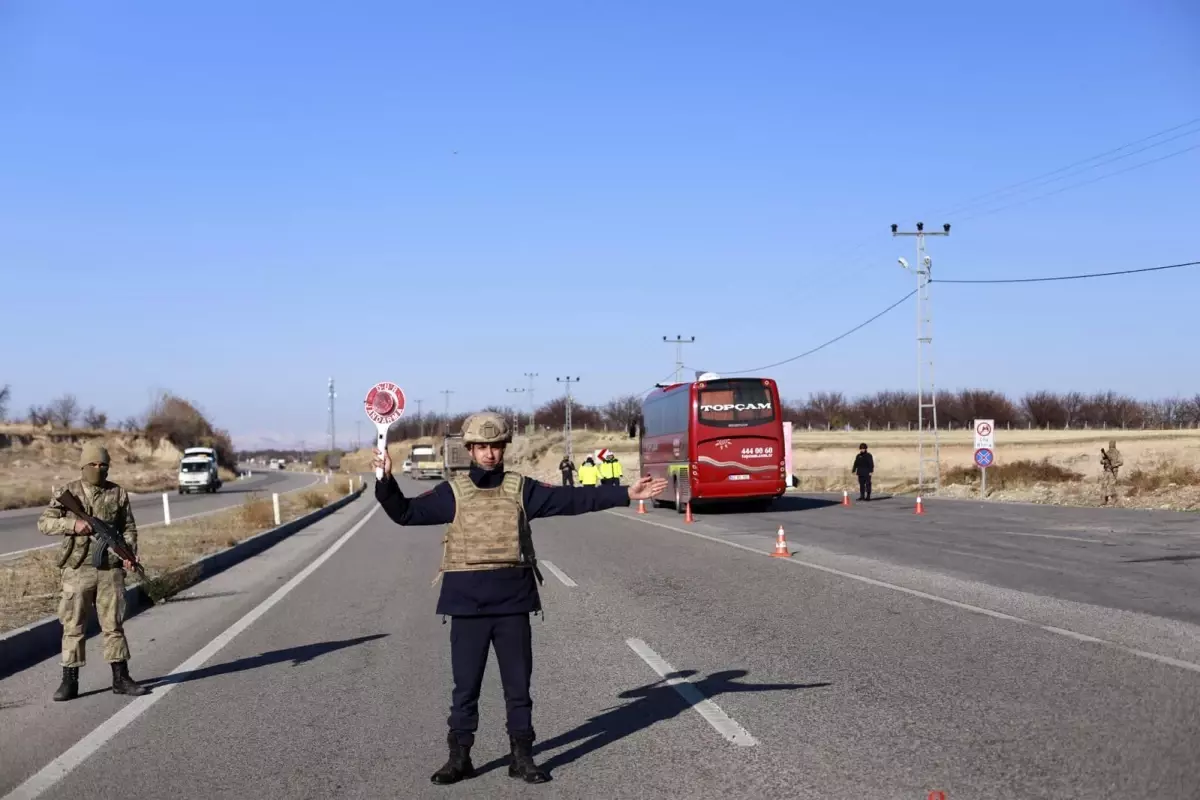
1110,462
91,506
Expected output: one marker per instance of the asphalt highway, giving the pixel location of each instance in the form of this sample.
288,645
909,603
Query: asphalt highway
18,527
983,650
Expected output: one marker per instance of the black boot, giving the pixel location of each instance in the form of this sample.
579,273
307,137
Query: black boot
459,765
522,765
69,688
122,683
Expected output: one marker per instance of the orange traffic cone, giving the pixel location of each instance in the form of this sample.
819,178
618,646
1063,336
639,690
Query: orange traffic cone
781,548
936,795
688,516
920,508
641,506
845,497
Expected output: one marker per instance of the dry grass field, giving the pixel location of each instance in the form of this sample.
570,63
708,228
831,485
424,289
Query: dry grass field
29,587
32,463
1161,469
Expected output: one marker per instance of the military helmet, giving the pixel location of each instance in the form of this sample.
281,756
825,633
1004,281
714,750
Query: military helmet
93,454
486,428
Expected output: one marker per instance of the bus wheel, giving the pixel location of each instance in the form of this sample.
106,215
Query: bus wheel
679,508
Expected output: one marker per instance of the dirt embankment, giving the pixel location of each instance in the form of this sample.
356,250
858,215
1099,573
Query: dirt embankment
34,461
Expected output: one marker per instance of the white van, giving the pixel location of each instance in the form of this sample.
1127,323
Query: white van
198,470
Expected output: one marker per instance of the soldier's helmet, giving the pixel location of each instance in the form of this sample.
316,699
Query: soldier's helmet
486,428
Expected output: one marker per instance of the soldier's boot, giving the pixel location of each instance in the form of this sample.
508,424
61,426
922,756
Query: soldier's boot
458,766
522,765
69,688
122,683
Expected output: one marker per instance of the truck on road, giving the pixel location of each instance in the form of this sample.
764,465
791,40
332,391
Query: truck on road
198,471
425,463
455,457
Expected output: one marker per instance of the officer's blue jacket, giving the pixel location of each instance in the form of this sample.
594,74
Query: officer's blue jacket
510,590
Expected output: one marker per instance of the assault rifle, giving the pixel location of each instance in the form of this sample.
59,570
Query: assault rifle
109,539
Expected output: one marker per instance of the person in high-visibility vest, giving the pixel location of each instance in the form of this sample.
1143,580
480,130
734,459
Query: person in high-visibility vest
610,471
589,475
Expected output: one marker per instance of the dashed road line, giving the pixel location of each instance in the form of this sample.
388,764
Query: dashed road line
712,713
1161,659
558,573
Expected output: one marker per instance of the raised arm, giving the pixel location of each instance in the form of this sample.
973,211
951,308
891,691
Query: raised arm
567,501
435,507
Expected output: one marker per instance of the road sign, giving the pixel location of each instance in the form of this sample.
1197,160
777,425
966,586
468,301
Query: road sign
984,457
384,405
985,434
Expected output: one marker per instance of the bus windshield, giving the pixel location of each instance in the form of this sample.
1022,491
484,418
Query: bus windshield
735,403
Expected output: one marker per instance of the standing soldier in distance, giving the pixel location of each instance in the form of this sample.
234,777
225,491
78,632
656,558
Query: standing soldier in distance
567,469
864,465
488,571
85,585
1110,462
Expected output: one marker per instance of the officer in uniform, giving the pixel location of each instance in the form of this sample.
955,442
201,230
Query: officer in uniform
488,571
589,474
864,465
86,585
1110,462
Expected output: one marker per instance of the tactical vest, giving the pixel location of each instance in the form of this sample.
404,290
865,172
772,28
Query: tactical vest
489,529
103,504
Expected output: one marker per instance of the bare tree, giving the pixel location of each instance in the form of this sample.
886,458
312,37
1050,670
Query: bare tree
96,420
64,410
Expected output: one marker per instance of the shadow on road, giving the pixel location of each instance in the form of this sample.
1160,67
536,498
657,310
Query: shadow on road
1177,559
205,596
297,655
782,505
652,703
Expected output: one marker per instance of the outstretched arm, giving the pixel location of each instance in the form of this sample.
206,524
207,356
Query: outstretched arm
435,507
566,501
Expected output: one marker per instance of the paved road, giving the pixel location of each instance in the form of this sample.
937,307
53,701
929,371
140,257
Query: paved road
18,527
890,655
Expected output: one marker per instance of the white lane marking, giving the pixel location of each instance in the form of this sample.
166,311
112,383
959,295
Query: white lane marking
1050,536
229,507
558,573
1174,662
62,766
706,708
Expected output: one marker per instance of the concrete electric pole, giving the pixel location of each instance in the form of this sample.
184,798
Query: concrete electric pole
679,342
332,432
532,407
926,391
568,382
517,421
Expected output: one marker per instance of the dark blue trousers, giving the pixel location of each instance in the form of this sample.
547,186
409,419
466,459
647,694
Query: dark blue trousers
470,638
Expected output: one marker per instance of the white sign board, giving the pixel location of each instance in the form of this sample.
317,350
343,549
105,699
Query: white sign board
985,434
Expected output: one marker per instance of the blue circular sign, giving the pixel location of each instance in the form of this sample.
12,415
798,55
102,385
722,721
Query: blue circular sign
984,457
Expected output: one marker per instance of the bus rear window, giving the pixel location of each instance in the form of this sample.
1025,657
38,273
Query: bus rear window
735,404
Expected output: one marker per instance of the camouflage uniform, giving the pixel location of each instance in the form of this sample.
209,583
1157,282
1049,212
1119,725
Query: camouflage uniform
86,584
1110,462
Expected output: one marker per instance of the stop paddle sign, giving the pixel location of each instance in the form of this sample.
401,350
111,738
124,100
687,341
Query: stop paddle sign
384,405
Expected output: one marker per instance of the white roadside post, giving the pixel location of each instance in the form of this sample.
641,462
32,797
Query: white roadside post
985,450
275,505
166,509
384,405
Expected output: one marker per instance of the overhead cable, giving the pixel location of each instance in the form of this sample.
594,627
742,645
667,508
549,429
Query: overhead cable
1067,277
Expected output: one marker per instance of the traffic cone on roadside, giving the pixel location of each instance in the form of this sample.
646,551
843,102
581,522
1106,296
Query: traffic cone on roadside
920,508
937,795
688,516
641,506
781,547
845,498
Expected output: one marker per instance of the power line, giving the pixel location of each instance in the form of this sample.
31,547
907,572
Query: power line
1069,277
1069,186
1007,189
821,346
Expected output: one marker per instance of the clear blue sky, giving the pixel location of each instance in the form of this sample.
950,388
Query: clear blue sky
237,200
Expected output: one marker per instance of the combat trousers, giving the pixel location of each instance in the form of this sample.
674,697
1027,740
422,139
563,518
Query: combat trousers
864,486
568,480
83,588
470,638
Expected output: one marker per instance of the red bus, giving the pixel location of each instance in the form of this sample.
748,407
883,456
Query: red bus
715,439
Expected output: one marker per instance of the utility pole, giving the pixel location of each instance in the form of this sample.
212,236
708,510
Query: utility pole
420,419
532,407
568,382
358,434
332,433
926,391
679,342
446,422
517,414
